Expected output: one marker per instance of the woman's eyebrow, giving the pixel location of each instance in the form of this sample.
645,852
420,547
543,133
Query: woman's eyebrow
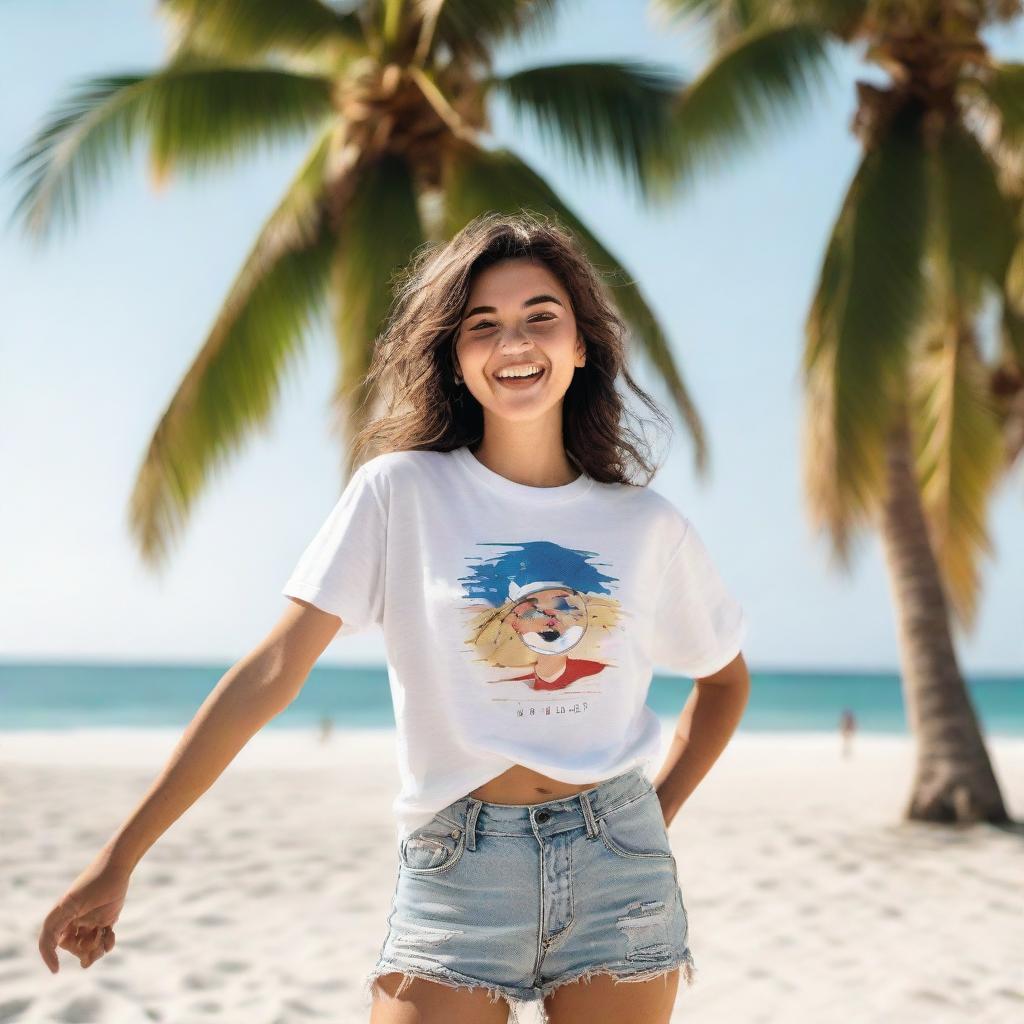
528,302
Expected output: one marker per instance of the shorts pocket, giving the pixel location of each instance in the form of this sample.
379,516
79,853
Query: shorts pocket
636,829
432,848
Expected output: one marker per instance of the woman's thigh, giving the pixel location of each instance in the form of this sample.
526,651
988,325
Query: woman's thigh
601,999
427,1002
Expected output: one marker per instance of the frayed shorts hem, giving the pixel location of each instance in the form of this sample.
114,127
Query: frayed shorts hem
623,971
626,971
454,979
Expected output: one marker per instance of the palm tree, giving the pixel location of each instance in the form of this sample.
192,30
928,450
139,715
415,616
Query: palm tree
914,402
394,97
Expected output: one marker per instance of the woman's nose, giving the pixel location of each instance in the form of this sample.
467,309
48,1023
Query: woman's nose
514,334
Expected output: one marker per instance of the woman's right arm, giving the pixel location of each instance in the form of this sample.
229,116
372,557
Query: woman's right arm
254,690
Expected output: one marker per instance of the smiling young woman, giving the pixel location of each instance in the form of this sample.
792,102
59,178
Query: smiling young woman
556,582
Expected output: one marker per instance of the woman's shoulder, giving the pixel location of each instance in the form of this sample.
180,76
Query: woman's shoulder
642,495
390,468
649,507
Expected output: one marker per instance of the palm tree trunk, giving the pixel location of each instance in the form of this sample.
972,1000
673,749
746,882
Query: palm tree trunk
953,779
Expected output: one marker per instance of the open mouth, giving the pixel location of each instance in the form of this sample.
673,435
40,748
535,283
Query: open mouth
521,381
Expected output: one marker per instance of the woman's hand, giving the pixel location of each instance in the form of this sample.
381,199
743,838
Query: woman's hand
82,921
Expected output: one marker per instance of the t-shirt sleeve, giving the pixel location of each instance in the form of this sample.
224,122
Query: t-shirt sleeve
699,625
342,569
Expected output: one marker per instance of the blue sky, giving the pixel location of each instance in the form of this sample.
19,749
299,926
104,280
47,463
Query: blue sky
103,320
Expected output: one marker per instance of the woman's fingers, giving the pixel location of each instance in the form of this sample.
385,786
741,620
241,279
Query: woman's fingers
104,944
79,938
74,940
57,922
99,946
88,943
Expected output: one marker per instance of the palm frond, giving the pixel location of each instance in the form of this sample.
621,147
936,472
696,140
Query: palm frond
1015,279
759,84
1012,330
479,180
379,229
841,18
868,305
973,220
196,115
1003,86
244,29
1007,384
594,112
723,19
470,30
233,383
959,442
959,455
727,19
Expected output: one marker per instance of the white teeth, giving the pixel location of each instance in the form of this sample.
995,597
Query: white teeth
519,371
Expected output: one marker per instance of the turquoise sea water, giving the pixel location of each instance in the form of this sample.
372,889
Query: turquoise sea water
64,696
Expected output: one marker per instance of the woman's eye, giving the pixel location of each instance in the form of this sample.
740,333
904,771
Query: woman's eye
540,318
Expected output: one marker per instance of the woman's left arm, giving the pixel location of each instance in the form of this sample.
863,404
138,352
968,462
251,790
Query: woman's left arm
709,718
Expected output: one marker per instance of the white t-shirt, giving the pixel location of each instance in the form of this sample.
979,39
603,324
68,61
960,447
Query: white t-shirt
522,624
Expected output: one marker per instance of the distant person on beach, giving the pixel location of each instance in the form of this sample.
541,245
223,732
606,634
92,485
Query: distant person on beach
527,580
326,727
847,727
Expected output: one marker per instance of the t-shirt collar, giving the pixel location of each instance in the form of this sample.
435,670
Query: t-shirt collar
497,482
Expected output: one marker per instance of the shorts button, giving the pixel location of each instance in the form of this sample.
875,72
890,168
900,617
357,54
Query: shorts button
455,834
543,816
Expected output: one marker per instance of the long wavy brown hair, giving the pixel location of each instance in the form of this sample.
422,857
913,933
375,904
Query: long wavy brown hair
413,374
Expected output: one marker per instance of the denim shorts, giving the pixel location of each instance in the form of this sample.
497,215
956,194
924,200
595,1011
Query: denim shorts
521,898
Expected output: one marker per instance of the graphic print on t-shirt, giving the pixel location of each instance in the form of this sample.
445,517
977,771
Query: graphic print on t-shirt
542,605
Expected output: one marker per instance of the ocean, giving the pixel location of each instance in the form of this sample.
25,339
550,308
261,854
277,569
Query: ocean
81,696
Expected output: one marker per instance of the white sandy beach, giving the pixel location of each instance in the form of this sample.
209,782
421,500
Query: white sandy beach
266,903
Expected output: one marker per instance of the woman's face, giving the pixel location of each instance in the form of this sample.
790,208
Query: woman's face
518,313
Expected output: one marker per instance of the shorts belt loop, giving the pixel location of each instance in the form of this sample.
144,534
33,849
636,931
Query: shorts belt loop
471,815
588,816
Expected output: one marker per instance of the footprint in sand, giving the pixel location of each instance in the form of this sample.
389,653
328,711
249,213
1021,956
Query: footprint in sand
80,1011
231,966
13,1009
201,982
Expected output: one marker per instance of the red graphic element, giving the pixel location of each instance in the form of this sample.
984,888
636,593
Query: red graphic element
575,668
